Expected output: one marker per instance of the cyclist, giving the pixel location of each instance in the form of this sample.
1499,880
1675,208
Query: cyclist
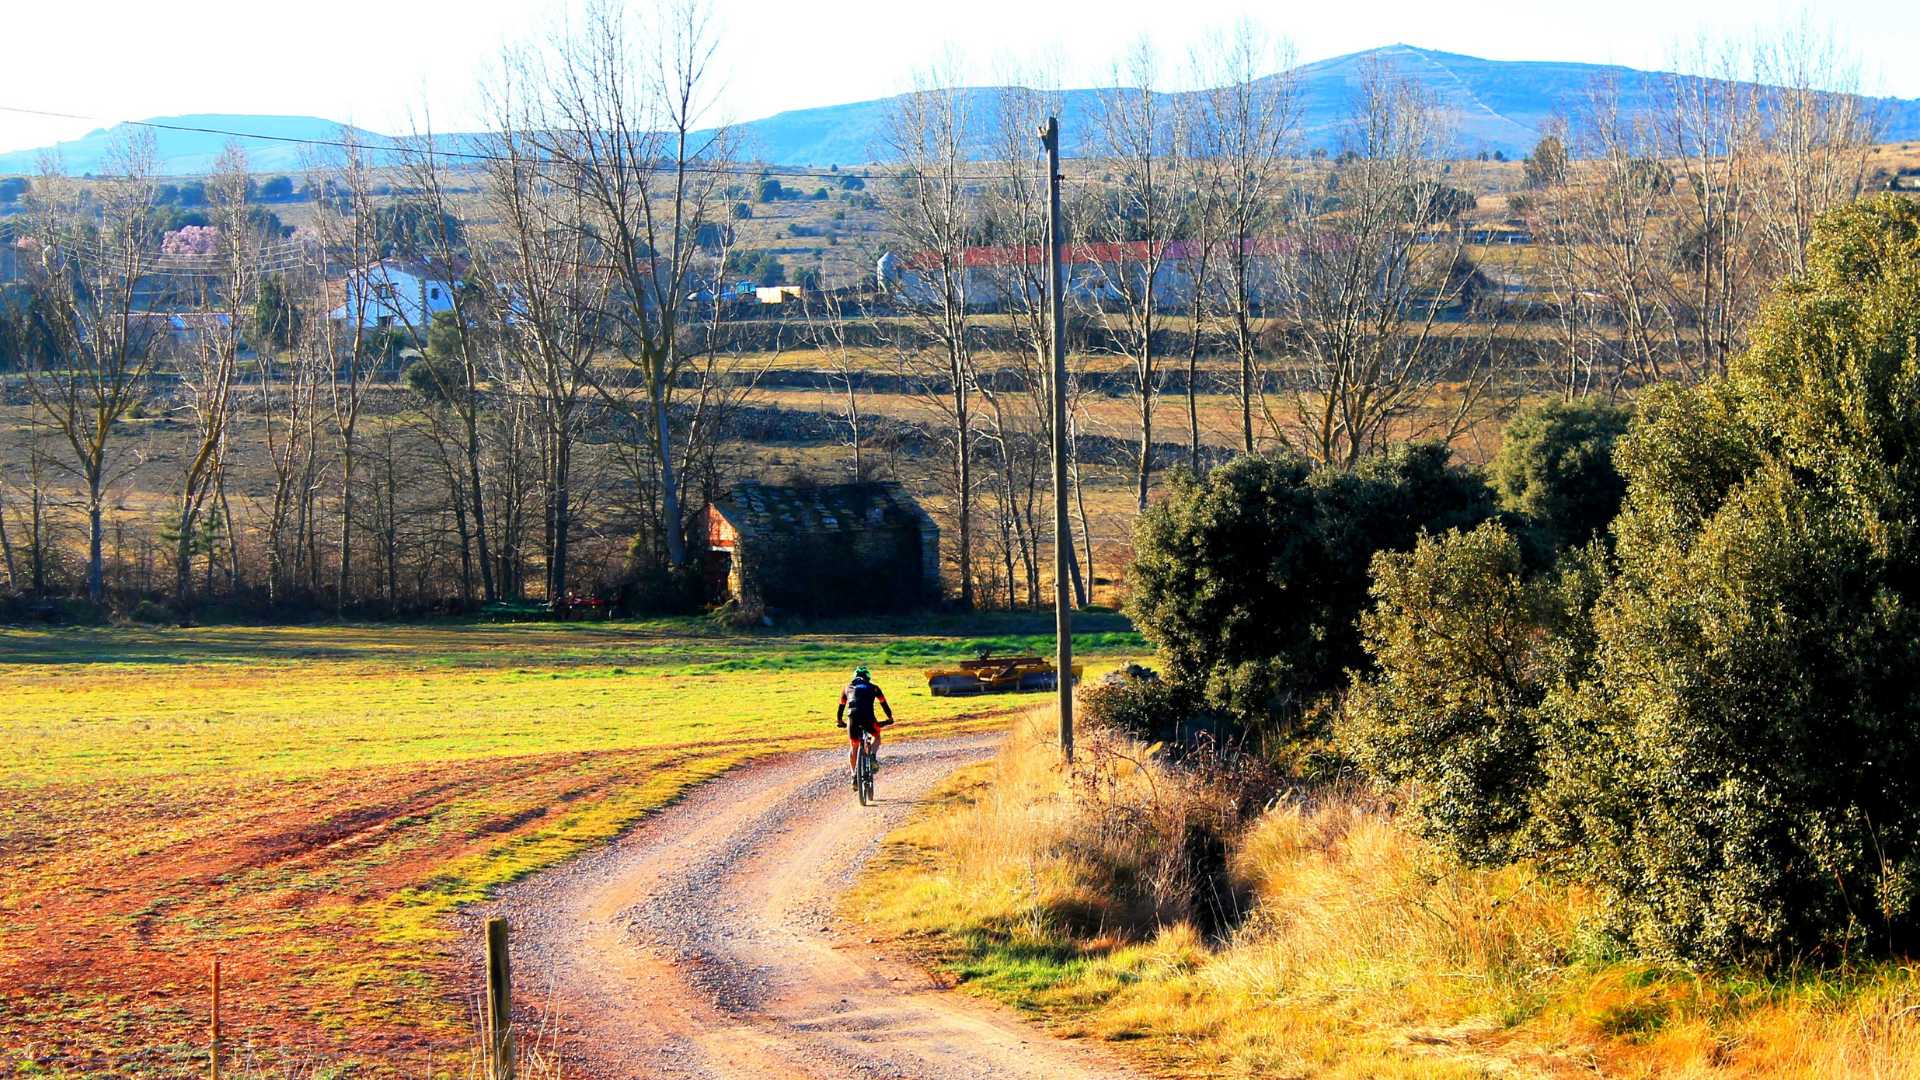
856,714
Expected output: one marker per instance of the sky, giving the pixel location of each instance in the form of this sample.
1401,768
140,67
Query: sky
381,64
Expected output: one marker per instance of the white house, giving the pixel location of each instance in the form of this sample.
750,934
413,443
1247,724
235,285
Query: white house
393,293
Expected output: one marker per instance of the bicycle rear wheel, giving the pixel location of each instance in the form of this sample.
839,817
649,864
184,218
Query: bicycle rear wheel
863,777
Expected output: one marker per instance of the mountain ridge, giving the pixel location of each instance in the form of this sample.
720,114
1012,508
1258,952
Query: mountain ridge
1488,105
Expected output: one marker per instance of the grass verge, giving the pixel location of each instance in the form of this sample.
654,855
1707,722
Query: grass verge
1363,952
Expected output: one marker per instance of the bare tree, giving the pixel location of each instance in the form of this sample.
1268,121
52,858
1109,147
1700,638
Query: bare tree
1139,222
463,397
1016,219
345,221
620,116
1246,128
91,260
827,327
1711,131
550,288
1371,282
1816,132
933,217
289,409
226,289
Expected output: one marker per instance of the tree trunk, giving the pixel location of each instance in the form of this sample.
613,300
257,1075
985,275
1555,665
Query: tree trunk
96,569
39,538
391,534
669,492
1146,444
1146,392
466,551
1193,375
346,523
1246,389
479,502
964,468
1085,594
183,562
233,533
562,515
6,549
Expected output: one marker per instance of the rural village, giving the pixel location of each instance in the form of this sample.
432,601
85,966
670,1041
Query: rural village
1395,565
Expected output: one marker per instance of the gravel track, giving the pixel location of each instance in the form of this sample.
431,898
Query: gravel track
706,943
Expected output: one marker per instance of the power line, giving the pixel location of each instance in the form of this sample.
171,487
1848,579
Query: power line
396,145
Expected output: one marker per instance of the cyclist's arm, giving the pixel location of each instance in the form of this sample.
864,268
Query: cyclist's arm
840,714
882,699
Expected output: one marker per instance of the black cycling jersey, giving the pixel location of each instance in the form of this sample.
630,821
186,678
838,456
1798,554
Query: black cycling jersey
857,702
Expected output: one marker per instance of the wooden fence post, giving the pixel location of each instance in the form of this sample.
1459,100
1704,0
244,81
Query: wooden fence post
213,1059
499,1001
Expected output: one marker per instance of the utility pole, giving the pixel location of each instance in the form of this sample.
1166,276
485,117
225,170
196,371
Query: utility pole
1062,532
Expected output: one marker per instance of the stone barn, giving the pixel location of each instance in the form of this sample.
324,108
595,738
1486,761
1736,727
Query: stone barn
823,550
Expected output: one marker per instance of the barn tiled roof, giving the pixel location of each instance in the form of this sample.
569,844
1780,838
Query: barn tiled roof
766,509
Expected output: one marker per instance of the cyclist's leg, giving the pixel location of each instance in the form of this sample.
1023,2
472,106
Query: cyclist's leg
876,746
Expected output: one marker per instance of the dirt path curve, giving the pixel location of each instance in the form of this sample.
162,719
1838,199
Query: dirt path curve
705,943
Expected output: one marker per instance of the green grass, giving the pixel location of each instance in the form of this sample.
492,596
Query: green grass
114,704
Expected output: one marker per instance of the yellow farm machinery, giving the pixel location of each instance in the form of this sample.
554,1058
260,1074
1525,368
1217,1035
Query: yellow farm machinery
996,675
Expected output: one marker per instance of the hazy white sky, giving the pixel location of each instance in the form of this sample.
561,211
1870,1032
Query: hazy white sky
373,62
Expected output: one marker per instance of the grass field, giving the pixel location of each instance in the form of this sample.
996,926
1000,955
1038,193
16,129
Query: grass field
312,805
1363,953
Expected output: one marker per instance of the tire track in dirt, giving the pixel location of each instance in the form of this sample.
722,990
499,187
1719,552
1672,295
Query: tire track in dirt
706,943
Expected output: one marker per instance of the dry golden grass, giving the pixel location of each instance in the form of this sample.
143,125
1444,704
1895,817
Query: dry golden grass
1365,953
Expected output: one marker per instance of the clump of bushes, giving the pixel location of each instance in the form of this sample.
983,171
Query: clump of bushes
1555,470
1129,702
1468,647
1251,581
1715,725
1136,703
153,613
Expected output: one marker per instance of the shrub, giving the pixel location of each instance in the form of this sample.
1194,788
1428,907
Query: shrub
1129,702
1555,468
437,381
1760,789
152,613
1250,582
1736,768
1158,833
1467,647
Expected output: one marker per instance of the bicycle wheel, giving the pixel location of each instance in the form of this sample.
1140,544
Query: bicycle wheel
866,771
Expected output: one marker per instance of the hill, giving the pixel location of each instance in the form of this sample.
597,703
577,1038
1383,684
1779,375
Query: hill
274,144
1489,105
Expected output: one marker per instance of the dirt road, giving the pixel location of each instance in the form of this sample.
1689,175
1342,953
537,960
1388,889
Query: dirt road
706,943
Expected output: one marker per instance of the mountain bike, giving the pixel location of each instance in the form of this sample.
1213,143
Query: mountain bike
863,770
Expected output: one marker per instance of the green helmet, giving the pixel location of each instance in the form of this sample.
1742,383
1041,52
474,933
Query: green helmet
861,672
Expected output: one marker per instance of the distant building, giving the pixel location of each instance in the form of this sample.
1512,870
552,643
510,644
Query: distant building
393,294
821,550
183,329
1096,273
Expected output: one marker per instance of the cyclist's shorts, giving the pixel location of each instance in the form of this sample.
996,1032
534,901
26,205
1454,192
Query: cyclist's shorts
854,730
